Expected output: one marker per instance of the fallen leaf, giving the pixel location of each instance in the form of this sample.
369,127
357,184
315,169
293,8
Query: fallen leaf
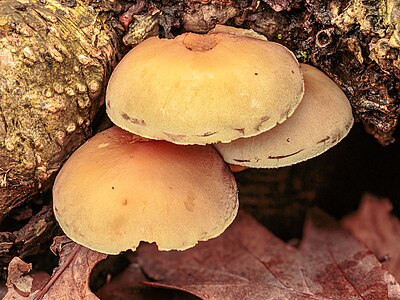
249,262
126,285
129,285
70,280
38,279
13,293
374,225
17,279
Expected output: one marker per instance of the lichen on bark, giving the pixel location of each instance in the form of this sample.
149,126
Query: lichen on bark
371,30
54,61
355,43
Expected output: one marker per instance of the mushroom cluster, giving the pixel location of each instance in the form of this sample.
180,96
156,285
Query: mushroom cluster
158,177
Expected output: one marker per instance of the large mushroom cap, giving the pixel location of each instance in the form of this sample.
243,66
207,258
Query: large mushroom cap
322,120
200,89
119,189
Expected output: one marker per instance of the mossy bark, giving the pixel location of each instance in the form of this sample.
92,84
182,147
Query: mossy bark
55,57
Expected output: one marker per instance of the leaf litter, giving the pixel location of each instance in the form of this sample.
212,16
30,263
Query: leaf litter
249,262
246,262
374,225
69,281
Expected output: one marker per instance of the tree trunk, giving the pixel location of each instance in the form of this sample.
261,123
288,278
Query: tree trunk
55,57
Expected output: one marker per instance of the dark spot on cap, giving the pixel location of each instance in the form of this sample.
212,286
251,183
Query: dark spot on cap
112,188
324,140
241,160
208,133
336,137
285,115
284,156
174,136
255,73
133,120
241,130
262,121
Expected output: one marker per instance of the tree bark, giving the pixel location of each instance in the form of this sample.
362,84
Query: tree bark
55,57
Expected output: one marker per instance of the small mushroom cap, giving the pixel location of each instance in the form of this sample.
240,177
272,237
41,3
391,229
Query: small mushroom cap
322,120
201,89
119,189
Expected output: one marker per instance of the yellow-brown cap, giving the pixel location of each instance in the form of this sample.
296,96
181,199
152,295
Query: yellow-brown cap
119,189
201,89
322,120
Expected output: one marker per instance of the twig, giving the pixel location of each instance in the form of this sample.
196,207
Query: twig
57,274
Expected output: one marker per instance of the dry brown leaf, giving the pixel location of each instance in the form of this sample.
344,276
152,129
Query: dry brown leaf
70,280
374,225
17,279
249,262
128,285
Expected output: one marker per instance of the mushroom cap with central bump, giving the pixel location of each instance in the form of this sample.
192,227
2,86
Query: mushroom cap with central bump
201,89
322,120
119,189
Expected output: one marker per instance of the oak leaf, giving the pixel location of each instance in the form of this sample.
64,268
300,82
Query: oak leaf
128,284
374,225
16,279
69,281
249,262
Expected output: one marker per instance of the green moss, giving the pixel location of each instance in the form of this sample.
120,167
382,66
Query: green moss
303,54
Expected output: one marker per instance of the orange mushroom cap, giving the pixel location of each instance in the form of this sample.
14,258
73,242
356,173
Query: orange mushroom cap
119,189
204,88
322,120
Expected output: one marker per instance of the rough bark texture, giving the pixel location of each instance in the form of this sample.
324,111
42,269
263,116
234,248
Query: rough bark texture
54,61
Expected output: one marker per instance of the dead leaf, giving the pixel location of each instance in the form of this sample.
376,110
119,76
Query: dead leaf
17,278
39,280
70,280
58,244
128,285
374,225
34,282
249,262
